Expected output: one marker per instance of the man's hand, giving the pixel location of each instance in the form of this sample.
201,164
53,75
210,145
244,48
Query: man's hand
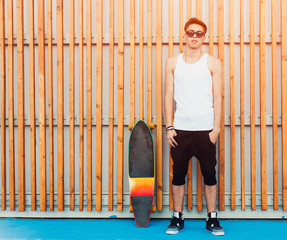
213,136
170,138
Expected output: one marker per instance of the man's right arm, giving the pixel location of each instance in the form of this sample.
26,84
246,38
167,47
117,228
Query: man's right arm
168,103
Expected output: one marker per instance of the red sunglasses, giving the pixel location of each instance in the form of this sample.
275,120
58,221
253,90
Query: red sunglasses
198,34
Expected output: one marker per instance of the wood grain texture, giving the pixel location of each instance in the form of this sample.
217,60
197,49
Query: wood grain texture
42,103
3,105
99,75
21,108
111,104
51,107
159,186
89,105
72,103
120,105
211,27
149,62
232,106
132,64
284,99
141,59
262,52
252,106
180,26
242,130
274,105
11,113
221,145
60,105
81,109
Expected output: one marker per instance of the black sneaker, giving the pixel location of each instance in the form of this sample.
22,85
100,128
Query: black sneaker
212,224
176,224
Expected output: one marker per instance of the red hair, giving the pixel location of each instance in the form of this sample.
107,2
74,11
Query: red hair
195,21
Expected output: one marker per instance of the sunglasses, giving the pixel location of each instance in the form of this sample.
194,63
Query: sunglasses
198,34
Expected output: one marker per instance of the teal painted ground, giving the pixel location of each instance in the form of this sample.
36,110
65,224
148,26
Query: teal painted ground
126,229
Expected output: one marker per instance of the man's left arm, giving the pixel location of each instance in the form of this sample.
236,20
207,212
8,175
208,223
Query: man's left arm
217,97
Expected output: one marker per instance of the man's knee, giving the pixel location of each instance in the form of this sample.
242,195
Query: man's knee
209,178
178,180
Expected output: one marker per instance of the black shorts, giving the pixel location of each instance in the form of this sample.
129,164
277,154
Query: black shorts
193,144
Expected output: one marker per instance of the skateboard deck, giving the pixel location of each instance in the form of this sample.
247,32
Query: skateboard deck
141,172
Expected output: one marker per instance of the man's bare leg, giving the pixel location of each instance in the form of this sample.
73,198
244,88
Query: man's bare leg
210,197
178,197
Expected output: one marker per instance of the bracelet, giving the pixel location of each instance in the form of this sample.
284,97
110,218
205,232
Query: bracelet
169,128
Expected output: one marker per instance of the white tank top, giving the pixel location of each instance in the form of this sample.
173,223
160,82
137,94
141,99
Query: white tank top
193,95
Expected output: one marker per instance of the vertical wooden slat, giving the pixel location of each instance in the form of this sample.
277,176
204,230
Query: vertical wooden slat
3,105
274,105
132,65
232,105
50,103
42,103
180,25
198,169
211,27
199,9
81,109
170,54
60,105
189,9
262,29
242,138
284,99
141,58
89,105
252,106
11,114
21,110
111,104
199,188
72,105
221,145
120,104
99,74
149,61
159,101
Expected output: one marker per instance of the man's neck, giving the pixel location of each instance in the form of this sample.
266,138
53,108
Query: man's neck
192,55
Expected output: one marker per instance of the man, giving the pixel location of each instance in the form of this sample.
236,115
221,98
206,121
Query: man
194,81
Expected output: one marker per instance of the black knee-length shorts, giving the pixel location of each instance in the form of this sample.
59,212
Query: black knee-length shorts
197,144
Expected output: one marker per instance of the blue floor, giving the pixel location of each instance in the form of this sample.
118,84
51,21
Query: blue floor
126,229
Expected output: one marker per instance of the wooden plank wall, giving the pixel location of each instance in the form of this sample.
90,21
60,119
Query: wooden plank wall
243,44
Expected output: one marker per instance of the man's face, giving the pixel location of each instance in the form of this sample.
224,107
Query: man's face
194,36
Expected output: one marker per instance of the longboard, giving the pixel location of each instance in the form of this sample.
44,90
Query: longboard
141,172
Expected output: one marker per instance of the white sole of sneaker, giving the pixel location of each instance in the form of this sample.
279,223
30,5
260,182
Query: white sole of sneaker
216,233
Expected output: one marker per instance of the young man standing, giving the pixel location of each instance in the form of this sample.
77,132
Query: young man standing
194,81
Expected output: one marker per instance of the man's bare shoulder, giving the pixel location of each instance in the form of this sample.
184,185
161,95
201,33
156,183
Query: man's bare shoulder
171,62
214,64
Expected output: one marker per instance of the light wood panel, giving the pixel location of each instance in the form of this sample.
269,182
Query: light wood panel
72,104
232,105
211,27
21,108
111,104
262,50
3,105
284,99
180,26
242,135
89,105
11,112
132,64
141,59
50,103
221,145
149,62
252,106
274,104
60,105
120,104
81,109
42,103
99,75
159,103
